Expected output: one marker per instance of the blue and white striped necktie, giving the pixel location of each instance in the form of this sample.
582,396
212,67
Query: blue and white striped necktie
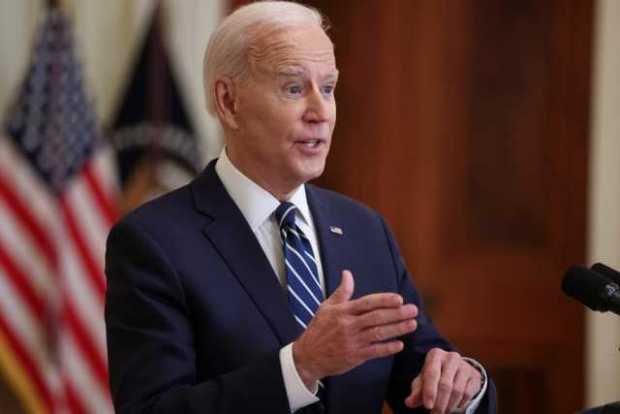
304,287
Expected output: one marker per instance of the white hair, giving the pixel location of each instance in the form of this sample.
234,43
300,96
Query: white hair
228,47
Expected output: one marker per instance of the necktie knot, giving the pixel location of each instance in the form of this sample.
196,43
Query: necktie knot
285,214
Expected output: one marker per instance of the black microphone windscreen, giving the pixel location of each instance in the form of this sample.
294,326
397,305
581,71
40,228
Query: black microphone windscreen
607,271
586,286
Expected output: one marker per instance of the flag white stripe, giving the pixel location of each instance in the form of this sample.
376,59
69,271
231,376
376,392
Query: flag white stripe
86,301
24,324
27,185
82,381
14,238
18,242
105,171
29,332
288,264
88,219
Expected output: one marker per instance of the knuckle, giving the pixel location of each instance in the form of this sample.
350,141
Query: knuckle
371,319
454,356
435,352
445,385
458,392
406,326
432,375
430,394
376,334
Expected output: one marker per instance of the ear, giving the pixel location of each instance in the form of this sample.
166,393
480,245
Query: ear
226,102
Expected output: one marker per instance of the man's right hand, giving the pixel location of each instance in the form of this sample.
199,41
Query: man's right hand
345,333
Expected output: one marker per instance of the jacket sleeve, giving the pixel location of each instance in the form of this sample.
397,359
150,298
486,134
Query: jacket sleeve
408,363
151,354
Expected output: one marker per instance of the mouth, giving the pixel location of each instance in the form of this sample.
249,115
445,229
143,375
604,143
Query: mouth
310,143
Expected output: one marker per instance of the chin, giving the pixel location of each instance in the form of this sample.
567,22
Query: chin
304,175
310,172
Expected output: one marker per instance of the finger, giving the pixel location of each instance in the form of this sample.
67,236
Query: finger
458,389
374,301
344,291
383,332
471,390
431,372
380,350
380,317
451,364
467,395
415,397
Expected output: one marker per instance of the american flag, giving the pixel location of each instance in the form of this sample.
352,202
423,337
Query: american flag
57,203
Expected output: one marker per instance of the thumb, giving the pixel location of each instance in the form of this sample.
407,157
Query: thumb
415,398
345,290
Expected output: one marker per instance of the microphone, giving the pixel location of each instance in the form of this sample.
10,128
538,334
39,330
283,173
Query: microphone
592,289
607,271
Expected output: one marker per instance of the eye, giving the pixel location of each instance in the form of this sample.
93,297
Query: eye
328,89
294,89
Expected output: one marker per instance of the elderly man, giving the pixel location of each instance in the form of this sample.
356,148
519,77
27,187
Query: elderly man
249,290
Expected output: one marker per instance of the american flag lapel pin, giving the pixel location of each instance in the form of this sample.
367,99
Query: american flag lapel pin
336,230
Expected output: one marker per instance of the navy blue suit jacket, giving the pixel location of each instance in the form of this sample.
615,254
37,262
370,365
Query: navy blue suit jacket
196,318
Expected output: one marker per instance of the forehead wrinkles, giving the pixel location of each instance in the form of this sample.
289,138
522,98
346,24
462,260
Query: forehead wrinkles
281,51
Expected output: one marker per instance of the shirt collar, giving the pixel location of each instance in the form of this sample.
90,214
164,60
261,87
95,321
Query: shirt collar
256,203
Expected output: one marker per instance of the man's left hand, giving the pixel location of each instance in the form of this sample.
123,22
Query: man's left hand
446,383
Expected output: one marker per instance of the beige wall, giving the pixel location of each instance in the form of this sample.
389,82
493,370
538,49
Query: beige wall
603,330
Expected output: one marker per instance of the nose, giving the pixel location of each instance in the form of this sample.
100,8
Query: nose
318,107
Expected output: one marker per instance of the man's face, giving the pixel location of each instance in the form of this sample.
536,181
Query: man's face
286,110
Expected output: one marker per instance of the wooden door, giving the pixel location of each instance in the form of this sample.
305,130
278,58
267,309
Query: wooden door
465,123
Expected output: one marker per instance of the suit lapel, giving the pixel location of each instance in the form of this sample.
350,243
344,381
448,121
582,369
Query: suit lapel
233,238
331,242
337,254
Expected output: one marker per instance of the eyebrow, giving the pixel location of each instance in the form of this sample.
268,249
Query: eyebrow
291,71
332,76
294,71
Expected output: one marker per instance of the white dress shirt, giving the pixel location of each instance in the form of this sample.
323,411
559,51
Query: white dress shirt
258,207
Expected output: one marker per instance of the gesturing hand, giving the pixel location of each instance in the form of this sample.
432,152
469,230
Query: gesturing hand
345,333
446,383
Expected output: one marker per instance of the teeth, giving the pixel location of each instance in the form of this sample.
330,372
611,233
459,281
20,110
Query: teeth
311,142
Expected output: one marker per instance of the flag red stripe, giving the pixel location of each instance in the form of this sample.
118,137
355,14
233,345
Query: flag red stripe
106,206
23,285
95,273
93,357
28,220
86,344
26,362
76,406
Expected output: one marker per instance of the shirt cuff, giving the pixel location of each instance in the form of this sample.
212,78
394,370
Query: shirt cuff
296,391
472,405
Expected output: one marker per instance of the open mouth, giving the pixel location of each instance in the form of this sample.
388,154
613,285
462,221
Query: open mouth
311,143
